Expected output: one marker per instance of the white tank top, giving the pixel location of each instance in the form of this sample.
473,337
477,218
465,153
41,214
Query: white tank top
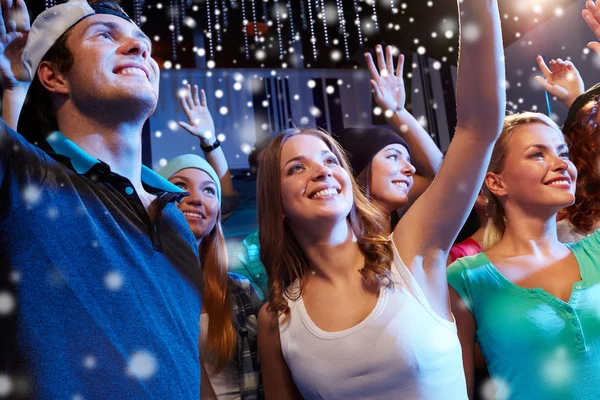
402,350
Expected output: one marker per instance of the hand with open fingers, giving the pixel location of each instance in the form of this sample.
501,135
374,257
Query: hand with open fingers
387,84
14,29
591,14
200,122
561,79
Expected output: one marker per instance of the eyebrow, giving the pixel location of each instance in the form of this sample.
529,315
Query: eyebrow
301,157
544,147
116,27
406,156
201,183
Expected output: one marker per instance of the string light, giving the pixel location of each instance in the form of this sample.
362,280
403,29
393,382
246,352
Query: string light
254,19
303,16
182,15
357,23
324,22
217,24
340,11
224,12
291,19
393,6
278,20
313,39
374,18
137,12
264,11
50,3
245,29
211,50
174,25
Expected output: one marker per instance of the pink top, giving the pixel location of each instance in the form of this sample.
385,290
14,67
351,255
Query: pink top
467,247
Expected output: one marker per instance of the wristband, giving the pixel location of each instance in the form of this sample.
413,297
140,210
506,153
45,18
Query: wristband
208,149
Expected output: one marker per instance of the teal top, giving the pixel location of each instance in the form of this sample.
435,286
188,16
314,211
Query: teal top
536,345
246,262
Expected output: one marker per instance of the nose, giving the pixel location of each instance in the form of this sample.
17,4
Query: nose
559,163
194,199
137,46
408,169
321,172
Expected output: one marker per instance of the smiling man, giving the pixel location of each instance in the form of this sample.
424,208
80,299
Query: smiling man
101,263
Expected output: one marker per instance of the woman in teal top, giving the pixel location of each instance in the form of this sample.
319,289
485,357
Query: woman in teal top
531,302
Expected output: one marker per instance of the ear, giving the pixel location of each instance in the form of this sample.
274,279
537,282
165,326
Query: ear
53,80
495,184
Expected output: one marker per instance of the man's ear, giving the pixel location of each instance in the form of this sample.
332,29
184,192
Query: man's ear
53,80
495,184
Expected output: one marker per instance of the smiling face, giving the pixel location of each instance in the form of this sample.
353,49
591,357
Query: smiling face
314,186
537,171
201,207
391,177
112,64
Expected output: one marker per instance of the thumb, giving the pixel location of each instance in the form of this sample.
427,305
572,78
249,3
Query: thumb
595,46
187,127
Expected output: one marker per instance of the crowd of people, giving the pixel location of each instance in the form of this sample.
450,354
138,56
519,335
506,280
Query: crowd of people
352,287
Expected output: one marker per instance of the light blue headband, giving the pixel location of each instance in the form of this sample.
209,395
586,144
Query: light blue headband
190,161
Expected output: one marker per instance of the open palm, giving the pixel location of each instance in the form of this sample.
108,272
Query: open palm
387,84
14,29
200,122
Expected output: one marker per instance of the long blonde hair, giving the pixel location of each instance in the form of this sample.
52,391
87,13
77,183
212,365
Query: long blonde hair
496,224
280,252
221,335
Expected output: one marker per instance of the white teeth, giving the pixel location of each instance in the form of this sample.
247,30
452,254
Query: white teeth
403,184
191,214
325,193
560,182
132,71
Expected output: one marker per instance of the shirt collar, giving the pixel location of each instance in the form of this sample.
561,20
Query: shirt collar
82,162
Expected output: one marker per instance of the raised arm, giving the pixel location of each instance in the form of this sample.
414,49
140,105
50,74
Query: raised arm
591,14
390,94
14,29
426,232
201,125
561,79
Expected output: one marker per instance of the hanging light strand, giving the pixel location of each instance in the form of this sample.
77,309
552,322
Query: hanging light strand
245,29
374,17
174,30
211,50
342,20
291,19
313,39
224,11
50,3
323,17
278,21
393,7
137,12
303,16
254,20
182,13
217,21
357,23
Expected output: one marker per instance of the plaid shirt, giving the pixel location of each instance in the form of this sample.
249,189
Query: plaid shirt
245,313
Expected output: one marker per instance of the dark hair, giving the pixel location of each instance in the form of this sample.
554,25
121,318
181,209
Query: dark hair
582,138
259,146
60,56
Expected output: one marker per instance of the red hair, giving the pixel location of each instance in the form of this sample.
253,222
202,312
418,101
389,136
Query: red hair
582,137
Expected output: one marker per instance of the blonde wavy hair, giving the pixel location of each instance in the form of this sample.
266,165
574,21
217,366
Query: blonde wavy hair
496,224
281,253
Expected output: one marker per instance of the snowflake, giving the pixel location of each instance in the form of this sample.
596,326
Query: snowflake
113,280
7,303
142,365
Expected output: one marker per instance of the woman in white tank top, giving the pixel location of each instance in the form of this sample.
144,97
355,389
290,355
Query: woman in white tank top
354,313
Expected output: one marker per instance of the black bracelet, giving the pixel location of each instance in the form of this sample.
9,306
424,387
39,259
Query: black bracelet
208,149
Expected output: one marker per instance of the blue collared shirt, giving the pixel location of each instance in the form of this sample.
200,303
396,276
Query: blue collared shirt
107,302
